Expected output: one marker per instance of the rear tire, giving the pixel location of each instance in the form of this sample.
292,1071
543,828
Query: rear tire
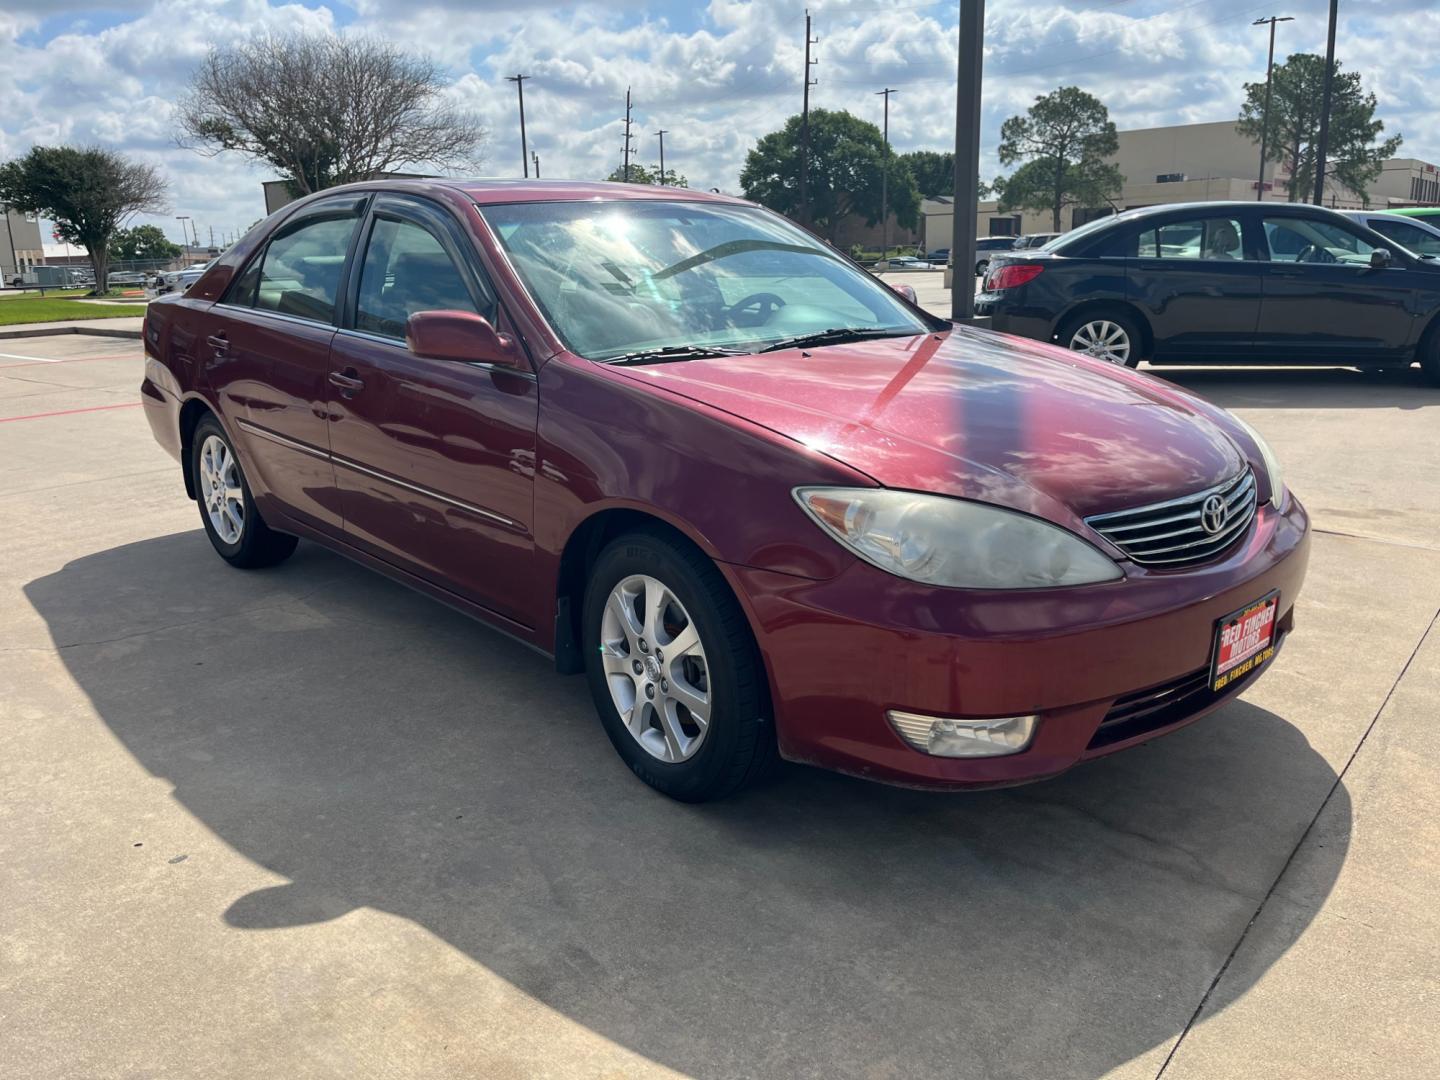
235,528
1430,357
646,593
1105,335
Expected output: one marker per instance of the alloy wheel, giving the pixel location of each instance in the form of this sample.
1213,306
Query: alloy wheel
655,666
1104,340
221,490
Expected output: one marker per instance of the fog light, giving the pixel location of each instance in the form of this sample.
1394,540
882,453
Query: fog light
963,738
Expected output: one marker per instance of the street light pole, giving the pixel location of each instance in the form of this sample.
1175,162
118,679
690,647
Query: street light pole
885,179
662,133
1265,116
519,81
967,158
1325,105
184,235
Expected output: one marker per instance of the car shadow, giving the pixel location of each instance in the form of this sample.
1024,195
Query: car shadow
378,750
1304,387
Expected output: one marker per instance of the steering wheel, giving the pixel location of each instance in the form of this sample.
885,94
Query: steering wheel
1314,253
762,305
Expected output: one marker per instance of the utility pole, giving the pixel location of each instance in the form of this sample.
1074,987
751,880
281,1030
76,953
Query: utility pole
1265,116
1325,106
536,158
212,235
805,126
885,178
519,81
184,236
967,158
627,135
662,133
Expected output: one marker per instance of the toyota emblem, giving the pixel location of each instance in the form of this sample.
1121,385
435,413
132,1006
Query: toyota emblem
1213,514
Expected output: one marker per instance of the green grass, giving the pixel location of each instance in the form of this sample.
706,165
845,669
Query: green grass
48,294
34,310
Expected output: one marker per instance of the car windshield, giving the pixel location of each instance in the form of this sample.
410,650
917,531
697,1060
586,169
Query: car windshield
641,276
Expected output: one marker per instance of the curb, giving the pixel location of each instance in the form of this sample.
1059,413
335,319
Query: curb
93,331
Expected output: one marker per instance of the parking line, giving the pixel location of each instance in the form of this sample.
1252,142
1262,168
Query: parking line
71,412
62,360
37,359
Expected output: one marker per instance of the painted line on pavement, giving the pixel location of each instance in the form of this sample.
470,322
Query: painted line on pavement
62,359
71,412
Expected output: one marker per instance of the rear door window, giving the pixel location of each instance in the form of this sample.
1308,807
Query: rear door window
1193,238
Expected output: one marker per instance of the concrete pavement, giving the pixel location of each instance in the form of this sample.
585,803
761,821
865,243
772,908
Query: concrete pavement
305,823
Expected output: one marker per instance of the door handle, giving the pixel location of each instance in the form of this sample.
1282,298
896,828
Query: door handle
219,342
348,384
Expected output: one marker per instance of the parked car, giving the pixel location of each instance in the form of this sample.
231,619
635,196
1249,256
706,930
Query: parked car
1421,213
125,277
763,502
1033,240
903,262
1224,282
1413,234
180,280
938,257
985,246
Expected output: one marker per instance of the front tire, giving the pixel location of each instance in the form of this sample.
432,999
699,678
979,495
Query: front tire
235,528
1105,335
674,670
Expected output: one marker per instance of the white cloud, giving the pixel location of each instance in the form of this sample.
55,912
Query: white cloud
109,72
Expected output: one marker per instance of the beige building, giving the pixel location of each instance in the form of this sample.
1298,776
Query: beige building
1190,163
20,244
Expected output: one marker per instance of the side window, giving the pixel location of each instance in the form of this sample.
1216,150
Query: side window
299,272
1306,240
1199,238
1416,239
406,269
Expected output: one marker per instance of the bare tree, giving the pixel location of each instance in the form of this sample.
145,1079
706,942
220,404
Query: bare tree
89,194
326,110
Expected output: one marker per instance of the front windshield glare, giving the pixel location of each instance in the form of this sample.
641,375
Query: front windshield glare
615,278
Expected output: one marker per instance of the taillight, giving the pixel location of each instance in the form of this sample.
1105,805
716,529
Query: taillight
1010,275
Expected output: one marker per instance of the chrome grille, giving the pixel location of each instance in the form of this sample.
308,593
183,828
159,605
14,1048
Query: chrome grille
1171,533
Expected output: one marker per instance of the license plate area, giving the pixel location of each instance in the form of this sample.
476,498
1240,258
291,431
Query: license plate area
1244,641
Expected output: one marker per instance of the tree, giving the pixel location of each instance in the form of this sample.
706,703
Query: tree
847,163
933,170
639,174
1353,157
87,193
326,110
1063,141
144,242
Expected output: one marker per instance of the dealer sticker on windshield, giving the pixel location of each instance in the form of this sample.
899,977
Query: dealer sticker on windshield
1244,640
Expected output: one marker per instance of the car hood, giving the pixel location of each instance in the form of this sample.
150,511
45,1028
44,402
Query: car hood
976,415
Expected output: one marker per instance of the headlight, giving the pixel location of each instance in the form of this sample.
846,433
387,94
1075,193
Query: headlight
1272,464
954,543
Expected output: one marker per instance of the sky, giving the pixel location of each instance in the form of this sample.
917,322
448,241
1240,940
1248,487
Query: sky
715,75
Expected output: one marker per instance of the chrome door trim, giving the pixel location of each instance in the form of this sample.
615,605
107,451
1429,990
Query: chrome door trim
499,519
265,433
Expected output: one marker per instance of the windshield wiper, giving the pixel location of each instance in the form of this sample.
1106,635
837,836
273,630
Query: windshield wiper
836,335
671,352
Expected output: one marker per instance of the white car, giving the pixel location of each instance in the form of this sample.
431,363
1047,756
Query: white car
903,262
180,280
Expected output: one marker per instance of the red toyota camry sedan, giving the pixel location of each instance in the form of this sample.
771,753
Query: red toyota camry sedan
764,502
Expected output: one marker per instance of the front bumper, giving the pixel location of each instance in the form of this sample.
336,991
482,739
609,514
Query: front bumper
842,652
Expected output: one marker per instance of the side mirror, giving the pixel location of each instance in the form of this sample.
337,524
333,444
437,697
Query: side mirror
461,335
1380,258
907,291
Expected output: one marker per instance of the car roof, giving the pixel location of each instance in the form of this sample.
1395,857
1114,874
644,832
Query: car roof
491,190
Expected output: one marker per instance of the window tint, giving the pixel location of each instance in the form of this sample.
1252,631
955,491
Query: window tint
1421,241
1199,238
406,270
300,272
1296,239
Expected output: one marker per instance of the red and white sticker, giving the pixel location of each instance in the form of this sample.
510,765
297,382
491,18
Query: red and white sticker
1244,641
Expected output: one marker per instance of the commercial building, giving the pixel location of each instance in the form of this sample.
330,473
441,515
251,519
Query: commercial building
1191,163
20,246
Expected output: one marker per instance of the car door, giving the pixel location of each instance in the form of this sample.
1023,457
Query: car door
1198,284
268,345
434,458
1323,301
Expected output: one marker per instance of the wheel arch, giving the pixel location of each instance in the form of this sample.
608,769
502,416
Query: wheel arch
1090,308
191,413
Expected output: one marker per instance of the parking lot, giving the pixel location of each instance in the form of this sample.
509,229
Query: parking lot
303,822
